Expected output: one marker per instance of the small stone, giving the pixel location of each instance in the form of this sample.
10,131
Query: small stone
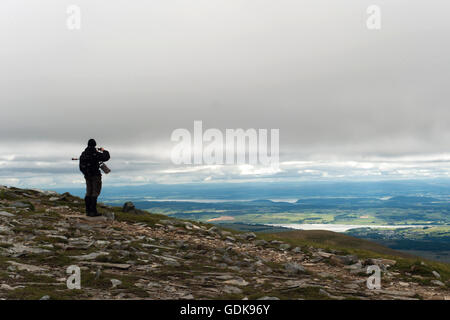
237,282
231,290
115,283
438,283
4,286
172,263
285,246
294,268
110,216
436,275
26,267
380,262
45,298
98,273
268,298
6,214
261,243
20,204
213,229
297,250
231,239
344,260
90,256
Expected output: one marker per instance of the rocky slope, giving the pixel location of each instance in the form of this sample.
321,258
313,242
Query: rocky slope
136,255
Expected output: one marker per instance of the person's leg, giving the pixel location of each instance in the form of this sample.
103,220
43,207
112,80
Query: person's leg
96,189
88,197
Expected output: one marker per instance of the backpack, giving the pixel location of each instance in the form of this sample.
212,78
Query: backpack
87,163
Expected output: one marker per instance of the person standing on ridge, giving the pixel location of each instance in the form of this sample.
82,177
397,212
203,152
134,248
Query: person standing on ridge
90,161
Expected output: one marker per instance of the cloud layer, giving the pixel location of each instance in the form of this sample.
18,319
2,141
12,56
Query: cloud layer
349,102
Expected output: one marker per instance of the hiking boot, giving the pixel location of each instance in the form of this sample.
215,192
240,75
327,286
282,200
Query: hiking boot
94,207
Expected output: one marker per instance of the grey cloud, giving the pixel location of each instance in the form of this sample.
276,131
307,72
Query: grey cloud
138,70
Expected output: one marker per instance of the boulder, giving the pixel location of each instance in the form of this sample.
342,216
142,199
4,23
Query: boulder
128,207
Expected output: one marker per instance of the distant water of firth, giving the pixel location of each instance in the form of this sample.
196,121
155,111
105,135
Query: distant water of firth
340,227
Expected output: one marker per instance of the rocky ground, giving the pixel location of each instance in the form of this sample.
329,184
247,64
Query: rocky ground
130,254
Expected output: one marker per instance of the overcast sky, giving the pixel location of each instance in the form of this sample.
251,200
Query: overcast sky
350,103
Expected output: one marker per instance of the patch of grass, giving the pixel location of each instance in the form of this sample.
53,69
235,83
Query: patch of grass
6,195
89,280
37,292
149,219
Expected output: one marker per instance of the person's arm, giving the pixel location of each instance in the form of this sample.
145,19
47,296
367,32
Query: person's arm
104,155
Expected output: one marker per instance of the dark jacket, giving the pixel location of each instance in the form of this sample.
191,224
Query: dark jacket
90,161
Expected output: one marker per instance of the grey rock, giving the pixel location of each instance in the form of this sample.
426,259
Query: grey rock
438,283
110,216
19,249
231,290
285,246
90,256
167,222
214,230
172,263
128,207
356,266
6,214
294,268
237,282
296,250
436,274
268,298
380,262
261,243
231,239
345,260
19,204
248,236
115,283
45,298
4,229
26,267
235,268
323,292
